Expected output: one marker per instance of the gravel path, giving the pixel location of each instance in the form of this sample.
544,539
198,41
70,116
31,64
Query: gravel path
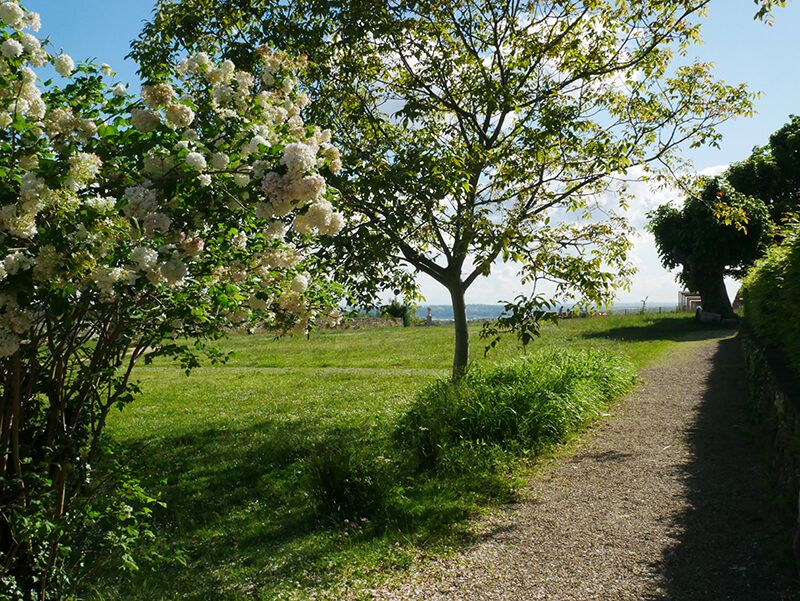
667,499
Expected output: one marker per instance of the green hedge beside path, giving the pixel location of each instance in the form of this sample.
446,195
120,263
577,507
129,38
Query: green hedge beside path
772,298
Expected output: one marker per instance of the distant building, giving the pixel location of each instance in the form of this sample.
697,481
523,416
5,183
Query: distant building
737,301
688,301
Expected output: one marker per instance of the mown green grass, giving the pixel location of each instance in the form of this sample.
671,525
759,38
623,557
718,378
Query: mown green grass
229,450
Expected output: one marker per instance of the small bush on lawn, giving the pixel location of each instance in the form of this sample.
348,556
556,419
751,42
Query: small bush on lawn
525,405
348,479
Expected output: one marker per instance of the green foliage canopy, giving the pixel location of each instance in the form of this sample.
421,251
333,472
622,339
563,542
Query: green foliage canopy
772,172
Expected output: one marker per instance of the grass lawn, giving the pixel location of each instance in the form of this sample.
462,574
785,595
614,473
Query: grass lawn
227,448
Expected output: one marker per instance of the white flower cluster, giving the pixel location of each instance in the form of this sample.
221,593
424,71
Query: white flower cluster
23,99
105,278
171,271
110,234
64,65
320,217
163,96
145,120
63,124
83,169
15,322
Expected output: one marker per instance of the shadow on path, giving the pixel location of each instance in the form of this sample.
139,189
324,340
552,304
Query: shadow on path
678,328
729,530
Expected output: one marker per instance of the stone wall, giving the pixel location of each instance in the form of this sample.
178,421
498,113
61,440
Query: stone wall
775,391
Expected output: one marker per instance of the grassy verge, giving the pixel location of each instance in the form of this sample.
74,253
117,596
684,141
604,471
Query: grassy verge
245,456
524,406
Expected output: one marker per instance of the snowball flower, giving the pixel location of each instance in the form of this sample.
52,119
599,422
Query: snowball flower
336,224
157,164
106,69
320,217
192,246
119,90
9,343
101,204
257,304
16,262
197,63
275,231
179,115
308,188
106,277
157,95
196,161
292,302
64,65
84,167
334,159
174,271
33,20
144,120
28,77
298,158
299,283
144,258
11,48
47,262
140,200
11,13
156,222
219,160
204,179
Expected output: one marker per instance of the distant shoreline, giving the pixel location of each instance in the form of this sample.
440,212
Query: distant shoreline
478,312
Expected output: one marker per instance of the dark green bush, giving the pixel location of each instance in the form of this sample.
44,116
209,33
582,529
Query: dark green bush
527,405
772,297
348,479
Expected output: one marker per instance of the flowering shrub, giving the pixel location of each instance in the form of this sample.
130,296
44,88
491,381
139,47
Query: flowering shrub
126,227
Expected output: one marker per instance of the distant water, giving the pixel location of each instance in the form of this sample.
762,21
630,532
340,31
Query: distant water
482,312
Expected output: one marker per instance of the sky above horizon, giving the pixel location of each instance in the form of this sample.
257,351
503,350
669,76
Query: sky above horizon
743,50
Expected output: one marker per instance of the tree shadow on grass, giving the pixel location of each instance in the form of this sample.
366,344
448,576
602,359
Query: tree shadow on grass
677,329
240,505
731,527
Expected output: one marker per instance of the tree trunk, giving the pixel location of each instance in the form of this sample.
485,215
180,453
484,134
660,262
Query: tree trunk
714,296
461,355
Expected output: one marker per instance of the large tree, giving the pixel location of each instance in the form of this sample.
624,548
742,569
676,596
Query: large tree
476,130
718,232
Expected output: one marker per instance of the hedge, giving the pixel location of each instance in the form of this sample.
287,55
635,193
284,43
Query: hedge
771,293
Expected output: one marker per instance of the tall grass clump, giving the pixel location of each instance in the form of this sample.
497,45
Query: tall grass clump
526,405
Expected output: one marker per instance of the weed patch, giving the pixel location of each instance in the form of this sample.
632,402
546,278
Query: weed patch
526,405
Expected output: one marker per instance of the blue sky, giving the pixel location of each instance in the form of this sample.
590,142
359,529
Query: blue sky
743,50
